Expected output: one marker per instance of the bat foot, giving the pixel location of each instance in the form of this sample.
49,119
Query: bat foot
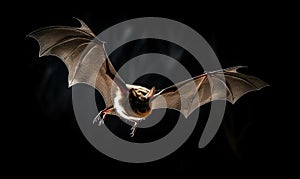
133,129
99,118
132,133
101,122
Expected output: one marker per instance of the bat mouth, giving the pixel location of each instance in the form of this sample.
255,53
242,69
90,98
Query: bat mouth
143,110
140,108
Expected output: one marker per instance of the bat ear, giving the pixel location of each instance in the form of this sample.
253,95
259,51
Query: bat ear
133,92
150,93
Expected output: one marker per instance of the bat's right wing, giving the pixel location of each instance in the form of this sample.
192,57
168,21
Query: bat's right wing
83,54
188,95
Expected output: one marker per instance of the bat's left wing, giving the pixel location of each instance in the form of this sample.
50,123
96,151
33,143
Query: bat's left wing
83,54
188,95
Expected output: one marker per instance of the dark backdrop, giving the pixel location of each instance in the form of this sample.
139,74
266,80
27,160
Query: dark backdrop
47,135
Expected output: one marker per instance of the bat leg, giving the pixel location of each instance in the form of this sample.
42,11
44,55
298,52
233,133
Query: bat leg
133,128
101,116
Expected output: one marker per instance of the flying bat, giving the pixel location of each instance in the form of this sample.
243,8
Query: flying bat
82,51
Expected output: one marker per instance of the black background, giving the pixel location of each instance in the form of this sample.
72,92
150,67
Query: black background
253,135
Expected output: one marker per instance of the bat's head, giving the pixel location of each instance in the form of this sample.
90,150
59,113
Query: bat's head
139,99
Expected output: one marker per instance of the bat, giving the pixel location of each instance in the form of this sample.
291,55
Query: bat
82,51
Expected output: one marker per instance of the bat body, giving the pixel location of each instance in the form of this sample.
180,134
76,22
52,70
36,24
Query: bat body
87,62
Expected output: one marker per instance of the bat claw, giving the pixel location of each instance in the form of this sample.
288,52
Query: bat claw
132,133
101,122
96,119
133,129
100,118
